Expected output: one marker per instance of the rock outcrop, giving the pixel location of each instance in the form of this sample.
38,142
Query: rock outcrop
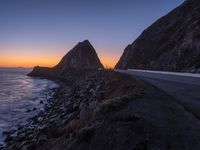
82,56
43,72
79,60
172,43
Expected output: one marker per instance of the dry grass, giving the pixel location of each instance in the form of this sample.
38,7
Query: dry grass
120,89
73,128
118,85
111,105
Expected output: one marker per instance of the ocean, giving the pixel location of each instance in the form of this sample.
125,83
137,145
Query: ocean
21,97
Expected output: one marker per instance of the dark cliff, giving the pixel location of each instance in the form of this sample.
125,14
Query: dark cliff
171,43
82,56
76,63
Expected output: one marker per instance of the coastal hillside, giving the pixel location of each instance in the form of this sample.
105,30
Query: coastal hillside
172,43
109,111
76,63
92,114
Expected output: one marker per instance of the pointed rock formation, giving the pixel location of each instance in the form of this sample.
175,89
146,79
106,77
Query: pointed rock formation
76,63
82,56
172,43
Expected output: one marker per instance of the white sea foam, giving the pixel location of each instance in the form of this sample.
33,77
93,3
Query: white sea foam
19,94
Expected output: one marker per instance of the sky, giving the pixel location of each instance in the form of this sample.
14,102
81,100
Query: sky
41,32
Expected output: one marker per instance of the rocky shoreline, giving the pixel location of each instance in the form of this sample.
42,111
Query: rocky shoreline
9,135
74,112
107,111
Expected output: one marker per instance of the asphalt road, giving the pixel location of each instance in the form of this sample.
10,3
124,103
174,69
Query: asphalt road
172,106
185,90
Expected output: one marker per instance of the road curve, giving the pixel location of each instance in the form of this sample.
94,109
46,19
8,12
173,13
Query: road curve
184,88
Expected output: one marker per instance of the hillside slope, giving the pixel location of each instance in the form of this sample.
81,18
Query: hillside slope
172,43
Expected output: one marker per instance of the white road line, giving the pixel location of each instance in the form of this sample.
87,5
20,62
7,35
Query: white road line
196,75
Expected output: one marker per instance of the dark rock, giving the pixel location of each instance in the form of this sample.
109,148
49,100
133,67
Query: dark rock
171,43
8,132
92,104
82,56
42,139
28,110
8,139
85,133
75,64
100,95
83,112
32,146
43,72
1,146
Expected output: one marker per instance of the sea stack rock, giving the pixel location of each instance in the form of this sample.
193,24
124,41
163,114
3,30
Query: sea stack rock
82,56
76,63
172,43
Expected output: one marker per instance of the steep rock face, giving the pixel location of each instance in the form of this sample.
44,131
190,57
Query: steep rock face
82,56
171,43
76,62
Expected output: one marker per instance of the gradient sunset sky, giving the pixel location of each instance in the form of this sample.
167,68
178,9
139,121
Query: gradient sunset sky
40,32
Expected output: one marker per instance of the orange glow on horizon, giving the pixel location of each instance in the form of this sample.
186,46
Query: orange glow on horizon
30,60
27,62
108,60
27,59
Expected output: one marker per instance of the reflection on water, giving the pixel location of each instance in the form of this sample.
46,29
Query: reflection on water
19,94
